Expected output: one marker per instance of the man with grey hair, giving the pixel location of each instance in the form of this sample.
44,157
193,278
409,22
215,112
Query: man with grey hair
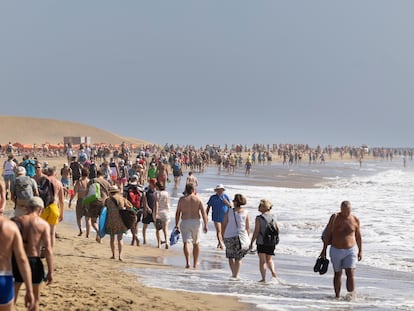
36,233
11,242
23,189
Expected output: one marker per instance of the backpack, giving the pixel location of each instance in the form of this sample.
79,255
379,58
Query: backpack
271,235
46,191
134,196
30,168
94,192
23,187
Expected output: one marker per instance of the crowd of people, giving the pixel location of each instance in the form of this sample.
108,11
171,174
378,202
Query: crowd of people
120,181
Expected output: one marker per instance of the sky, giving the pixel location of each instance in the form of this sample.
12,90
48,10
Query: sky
215,72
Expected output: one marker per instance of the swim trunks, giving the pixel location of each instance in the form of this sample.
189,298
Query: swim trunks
36,266
51,214
6,288
343,258
190,230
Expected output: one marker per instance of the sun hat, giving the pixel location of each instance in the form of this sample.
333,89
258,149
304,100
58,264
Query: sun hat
219,186
20,170
113,189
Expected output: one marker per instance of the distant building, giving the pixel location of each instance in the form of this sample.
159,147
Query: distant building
77,140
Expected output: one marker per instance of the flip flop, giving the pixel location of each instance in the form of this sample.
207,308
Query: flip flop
318,264
324,267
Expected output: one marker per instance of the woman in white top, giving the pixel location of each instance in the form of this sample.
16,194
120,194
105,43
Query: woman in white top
235,220
162,213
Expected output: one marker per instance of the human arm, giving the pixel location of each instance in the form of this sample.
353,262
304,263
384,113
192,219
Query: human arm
358,239
46,240
61,198
256,231
24,267
75,191
2,199
224,224
327,236
248,224
178,215
204,216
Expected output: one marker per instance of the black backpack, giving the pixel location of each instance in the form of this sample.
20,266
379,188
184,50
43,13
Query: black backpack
46,191
271,235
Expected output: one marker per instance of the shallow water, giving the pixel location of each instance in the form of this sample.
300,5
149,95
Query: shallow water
382,197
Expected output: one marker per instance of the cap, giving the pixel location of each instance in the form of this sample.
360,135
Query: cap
36,202
21,170
219,186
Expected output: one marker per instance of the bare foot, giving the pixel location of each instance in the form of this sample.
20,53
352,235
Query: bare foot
98,239
113,257
167,246
120,259
80,233
187,266
195,266
262,281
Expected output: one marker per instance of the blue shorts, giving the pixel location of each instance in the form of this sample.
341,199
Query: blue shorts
343,258
65,182
6,288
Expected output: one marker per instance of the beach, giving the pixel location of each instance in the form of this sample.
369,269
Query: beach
304,197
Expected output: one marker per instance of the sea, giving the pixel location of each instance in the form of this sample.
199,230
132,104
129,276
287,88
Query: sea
304,196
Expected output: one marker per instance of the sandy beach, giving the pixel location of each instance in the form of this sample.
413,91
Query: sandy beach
85,278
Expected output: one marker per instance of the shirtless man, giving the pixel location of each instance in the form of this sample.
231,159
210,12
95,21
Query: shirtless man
11,242
53,213
346,248
36,233
189,210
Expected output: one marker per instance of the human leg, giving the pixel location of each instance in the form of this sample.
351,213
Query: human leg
157,234
270,265
186,254
217,225
120,245
164,231
112,244
144,233
350,279
262,266
236,268
196,254
337,283
36,293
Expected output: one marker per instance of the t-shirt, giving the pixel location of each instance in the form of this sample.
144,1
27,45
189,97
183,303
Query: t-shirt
219,209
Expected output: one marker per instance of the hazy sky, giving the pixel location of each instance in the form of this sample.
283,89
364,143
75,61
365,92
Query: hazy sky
199,72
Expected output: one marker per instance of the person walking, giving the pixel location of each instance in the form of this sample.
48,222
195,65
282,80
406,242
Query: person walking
235,220
35,233
190,210
344,234
12,243
219,203
264,251
114,223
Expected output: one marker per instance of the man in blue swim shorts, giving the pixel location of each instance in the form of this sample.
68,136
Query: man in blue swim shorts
220,203
346,248
11,242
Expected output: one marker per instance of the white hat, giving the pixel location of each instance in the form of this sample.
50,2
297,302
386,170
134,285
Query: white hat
20,170
219,186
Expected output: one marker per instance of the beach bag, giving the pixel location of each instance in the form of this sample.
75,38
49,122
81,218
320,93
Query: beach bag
128,216
94,193
46,191
326,228
271,235
23,186
175,236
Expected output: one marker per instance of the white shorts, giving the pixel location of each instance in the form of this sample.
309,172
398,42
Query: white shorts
190,230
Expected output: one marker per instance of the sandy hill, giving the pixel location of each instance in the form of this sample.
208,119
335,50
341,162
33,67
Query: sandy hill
27,130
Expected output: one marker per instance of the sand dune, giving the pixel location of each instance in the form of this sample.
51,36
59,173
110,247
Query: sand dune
27,130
